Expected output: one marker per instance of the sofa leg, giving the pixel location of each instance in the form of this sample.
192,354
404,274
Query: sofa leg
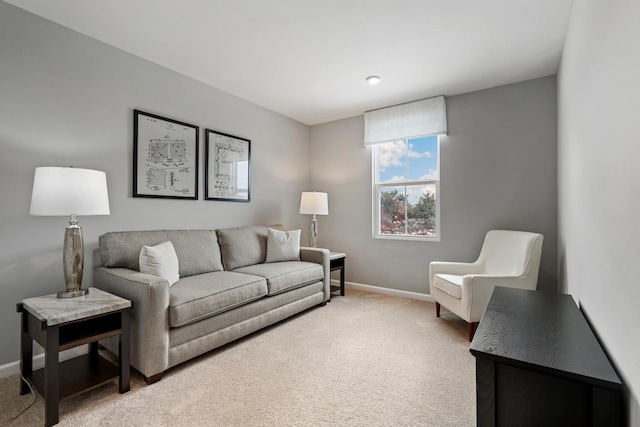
153,378
471,327
437,309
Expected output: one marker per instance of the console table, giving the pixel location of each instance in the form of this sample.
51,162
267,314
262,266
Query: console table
539,364
60,324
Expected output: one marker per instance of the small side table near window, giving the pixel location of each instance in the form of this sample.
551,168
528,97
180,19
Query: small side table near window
60,324
337,260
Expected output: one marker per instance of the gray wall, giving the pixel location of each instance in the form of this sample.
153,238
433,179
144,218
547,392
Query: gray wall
599,177
498,170
66,99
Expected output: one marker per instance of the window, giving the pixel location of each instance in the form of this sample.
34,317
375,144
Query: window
406,184
406,168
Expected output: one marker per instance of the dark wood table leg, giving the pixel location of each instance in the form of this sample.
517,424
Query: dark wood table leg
342,278
26,353
124,353
93,348
51,376
485,392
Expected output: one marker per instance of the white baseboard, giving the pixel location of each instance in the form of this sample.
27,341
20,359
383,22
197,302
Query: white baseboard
11,368
385,291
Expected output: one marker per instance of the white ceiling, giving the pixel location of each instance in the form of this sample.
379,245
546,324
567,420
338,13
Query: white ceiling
308,59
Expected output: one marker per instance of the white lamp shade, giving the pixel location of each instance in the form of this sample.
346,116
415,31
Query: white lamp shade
314,203
59,191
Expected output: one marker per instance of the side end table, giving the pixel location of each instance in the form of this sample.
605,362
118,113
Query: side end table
61,324
337,261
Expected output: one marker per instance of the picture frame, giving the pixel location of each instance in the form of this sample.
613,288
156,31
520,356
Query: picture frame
165,157
227,167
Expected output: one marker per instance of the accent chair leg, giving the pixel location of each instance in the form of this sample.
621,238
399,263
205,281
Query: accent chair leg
437,309
471,327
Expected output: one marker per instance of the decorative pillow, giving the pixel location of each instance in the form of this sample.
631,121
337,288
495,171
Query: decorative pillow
243,246
283,245
160,260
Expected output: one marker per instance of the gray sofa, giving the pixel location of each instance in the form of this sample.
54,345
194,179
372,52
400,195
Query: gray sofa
226,290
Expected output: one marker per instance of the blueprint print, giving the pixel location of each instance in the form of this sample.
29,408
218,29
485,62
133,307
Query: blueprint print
166,157
227,167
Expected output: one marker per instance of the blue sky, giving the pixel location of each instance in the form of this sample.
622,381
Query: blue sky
419,162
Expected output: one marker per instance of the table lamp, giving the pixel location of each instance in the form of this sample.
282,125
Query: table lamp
314,203
62,191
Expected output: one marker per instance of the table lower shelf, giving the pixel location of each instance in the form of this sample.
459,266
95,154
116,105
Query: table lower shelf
77,375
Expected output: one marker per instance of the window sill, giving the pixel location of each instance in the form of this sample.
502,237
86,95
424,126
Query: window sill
406,237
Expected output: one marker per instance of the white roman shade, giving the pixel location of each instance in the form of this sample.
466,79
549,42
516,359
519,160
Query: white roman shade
413,119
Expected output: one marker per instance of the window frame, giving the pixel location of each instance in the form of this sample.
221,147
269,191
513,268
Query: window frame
376,192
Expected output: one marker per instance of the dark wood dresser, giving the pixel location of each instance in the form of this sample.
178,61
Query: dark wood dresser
539,364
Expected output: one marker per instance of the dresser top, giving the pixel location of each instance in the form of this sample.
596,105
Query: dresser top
55,311
542,331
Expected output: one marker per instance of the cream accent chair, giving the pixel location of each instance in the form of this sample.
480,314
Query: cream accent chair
508,258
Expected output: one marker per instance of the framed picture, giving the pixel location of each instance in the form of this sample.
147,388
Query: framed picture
165,157
227,169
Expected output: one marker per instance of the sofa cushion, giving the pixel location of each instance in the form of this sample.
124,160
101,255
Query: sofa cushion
449,283
197,250
243,246
283,245
286,275
204,295
160,260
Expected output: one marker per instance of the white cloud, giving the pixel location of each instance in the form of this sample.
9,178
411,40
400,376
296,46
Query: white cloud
432,174
417,155
389,154
392,154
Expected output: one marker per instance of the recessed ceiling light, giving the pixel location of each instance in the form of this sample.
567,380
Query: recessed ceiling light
373,80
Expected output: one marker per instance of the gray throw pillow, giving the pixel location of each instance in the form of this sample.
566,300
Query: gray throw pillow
283,245
243,246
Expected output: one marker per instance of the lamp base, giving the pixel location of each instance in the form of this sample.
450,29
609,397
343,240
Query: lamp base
314,231
73,260
73,294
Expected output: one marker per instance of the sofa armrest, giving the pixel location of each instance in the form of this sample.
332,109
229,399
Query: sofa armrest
323,257
149,316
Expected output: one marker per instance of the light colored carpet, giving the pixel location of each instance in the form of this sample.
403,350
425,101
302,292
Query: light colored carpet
362,360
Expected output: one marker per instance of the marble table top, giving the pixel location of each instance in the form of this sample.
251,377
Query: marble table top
337,255
55,311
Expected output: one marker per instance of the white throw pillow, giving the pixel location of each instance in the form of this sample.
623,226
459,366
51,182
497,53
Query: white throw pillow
160,260
283,245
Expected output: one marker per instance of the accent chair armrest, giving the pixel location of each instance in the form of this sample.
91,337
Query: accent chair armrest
457,268
477,289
